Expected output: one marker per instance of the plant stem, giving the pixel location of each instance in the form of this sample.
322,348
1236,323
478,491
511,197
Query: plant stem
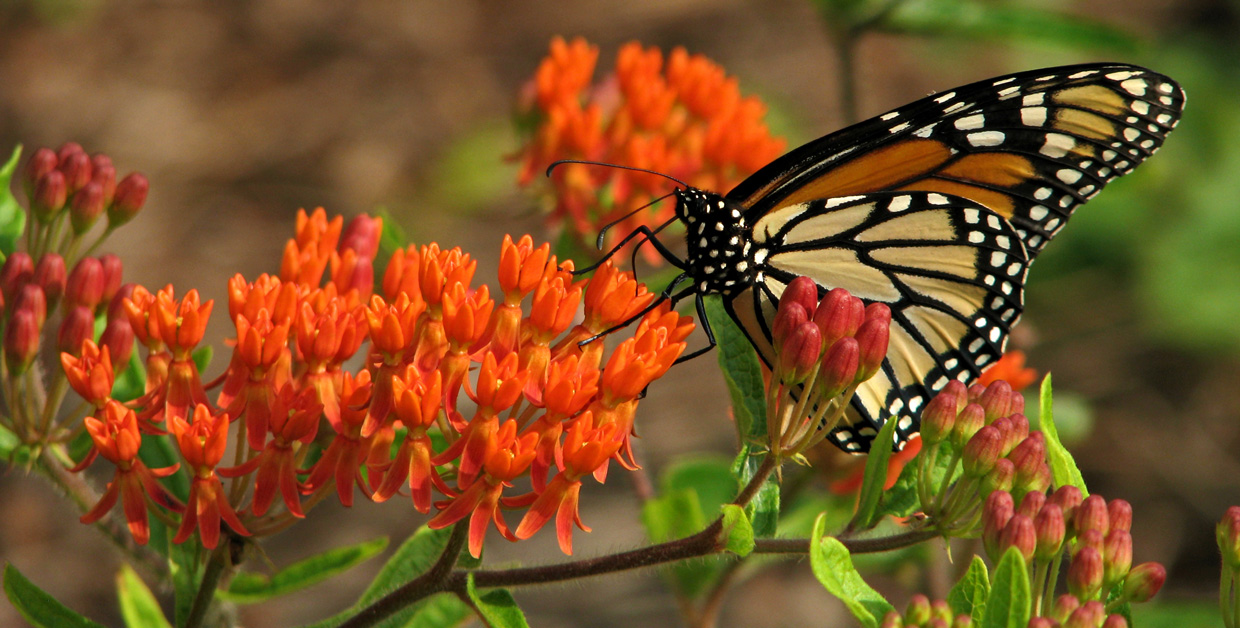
855,546
206,587
438,579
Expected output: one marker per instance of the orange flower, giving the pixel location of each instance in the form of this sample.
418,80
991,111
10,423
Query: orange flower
294,419
1010,368
307,255
348,449
202,441
417,406
90,375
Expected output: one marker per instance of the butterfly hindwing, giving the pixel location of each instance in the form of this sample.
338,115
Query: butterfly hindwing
951,271
1030,146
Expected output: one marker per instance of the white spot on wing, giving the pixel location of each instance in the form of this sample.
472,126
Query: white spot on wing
986,138
1057,145
975,121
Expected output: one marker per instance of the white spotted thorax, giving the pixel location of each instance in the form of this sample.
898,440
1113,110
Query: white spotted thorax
720,242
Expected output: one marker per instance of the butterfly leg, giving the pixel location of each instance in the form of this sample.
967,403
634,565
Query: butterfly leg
649,235
700,306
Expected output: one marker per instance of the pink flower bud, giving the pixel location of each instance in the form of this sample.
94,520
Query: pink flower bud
130,197
918,611
85,284
1039,482
1119,514
1115,620
1041,622
116,306
975,392
49,196
362,236
77,326
1089,615
839,367
981,452
878,312
1028,456
801,291
1227,534
1051,530
788,317
996,513
1144,582
1030,503
892,620
50,276
105,176
31,298
872,339
118,337
996,400
1018,432
1000,478
1085,574
940,609
1064,606
939,416
1018,533
1092,515
21,341
1116,556
76,168
41,162
113,271
67,149
799,352
839,315
1067,498
18,270
962,621
1088,538
1018,403
87,207
968,422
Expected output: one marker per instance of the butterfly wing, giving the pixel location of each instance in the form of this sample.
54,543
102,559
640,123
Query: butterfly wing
1030,146
951,271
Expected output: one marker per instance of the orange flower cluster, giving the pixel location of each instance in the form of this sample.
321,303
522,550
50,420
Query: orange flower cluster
460,392
684,117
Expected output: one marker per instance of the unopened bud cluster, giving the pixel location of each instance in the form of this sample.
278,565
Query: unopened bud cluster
69,185
981,438
1095,536
1227,533
922,613
824,350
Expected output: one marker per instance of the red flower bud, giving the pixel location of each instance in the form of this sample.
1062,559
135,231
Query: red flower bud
87,206
872,339
1088,538
1085,574
892,620
118,337
801,291
968,422
76,168
113,269
1116,556
996,400
799,352
1227,534
1018,533
362,236
1030,503
49,197
996,513
77,326
939,416
1000,478
1018,403
18,270
21,341
788,317
1067,498
67,149
941,610
1115,620
1092,515
1041,622
105,176
130,197
878,312
1018,432
50,276
1051,530
85,284
31,299
1144,581
1089,615
116,306
1028,456
41,162
1119,513
981,452
839,367
918,611
839,315
1064,606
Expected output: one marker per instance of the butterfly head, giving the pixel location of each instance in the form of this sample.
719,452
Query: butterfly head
720,241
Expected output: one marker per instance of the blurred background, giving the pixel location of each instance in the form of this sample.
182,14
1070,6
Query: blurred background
240,112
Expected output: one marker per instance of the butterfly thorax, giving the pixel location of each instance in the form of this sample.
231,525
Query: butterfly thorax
720,242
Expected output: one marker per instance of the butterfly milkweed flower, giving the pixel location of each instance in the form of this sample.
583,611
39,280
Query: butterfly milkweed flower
680,115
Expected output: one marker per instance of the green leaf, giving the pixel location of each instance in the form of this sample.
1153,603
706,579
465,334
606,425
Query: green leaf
675,515
158,452
1063,466
496,607
413,558
36,606
1009,604
969,595
874,480
249,587
130,383
186,572
9,442
738,532
1007,23
833,567
741,371
202,357
763,511
710,477
138,606
440,611
12,217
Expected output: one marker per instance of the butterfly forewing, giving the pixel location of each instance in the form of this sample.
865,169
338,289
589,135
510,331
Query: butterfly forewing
951,271
1030,146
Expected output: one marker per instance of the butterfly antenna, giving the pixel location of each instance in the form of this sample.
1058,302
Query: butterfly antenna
669,177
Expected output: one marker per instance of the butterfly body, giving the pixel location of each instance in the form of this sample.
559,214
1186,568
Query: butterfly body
935,209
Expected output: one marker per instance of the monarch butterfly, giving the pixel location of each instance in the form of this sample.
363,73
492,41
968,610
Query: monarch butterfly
936,209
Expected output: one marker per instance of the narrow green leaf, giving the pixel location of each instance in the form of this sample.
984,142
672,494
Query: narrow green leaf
738,532
138,605
202,357
186,572
36,606
249,587
741,371
8,443
833,567
1009,604
1005,22
497,607
12,217
1063,466
874,480
440,611
969,595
